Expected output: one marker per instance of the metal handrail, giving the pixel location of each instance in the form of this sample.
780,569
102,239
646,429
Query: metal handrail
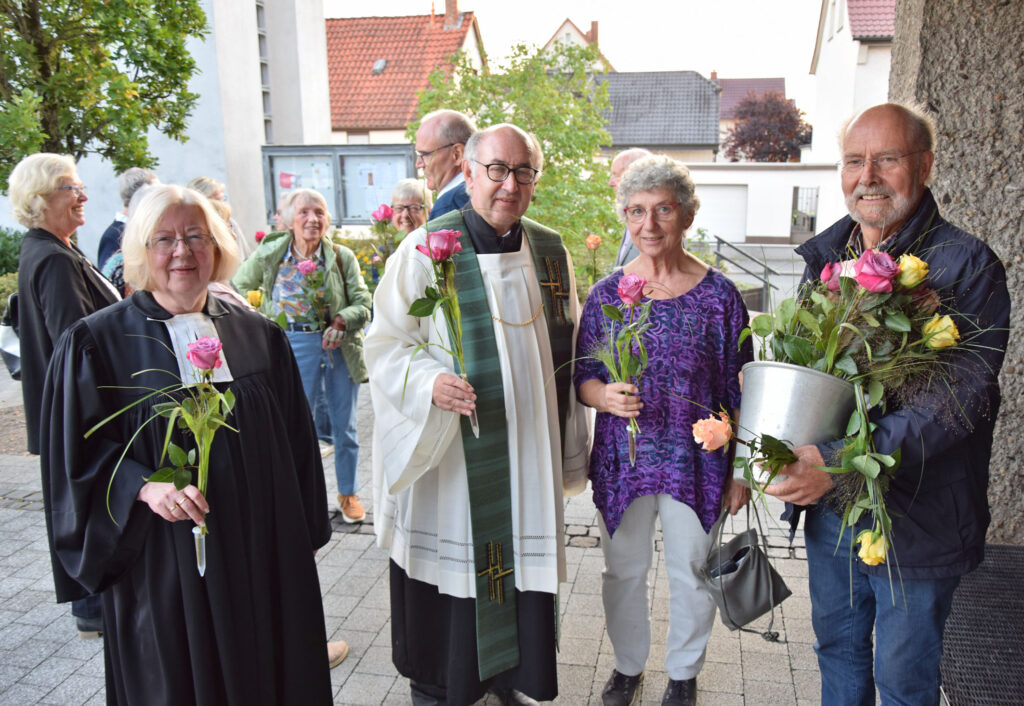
766,285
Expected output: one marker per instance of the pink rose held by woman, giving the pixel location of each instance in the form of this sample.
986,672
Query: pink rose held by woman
383,213
204,353
441,244
307,267
875,271
631,289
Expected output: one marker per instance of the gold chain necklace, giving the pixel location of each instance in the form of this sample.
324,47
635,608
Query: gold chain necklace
533,318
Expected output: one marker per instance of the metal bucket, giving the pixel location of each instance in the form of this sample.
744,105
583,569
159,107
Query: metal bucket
794,404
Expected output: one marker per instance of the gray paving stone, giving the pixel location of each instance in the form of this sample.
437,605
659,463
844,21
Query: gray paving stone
50,672
74,690
21,694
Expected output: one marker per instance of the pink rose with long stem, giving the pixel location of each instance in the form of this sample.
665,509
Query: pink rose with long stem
441,244
631,289
875,271
204,353
383,213
307,267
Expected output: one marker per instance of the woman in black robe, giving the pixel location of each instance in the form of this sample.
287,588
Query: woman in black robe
251,631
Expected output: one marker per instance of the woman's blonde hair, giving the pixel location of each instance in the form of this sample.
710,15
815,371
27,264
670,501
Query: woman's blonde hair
32,180
145,218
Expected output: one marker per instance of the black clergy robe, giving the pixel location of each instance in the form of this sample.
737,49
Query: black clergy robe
251,631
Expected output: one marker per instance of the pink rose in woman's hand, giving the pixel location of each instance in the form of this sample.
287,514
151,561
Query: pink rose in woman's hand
383,213
830,275
441,244
631,289
204,353
875,271
307,267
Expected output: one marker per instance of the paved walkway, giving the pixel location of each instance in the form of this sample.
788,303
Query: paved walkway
42,661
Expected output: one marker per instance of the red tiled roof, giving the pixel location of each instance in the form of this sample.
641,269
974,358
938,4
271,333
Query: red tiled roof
412,47
872,19
736,89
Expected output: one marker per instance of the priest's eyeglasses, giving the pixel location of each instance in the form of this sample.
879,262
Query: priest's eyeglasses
413,209
661,212
885,163
499,172
165,244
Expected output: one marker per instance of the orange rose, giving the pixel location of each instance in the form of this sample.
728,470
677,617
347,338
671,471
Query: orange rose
713,433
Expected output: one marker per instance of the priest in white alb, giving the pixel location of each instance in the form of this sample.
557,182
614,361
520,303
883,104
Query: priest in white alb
474,526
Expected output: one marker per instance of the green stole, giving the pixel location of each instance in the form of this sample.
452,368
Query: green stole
487,464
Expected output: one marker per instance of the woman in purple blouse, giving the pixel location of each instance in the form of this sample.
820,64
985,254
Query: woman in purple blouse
697,316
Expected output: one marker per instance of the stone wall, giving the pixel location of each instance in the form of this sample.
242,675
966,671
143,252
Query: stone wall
964,60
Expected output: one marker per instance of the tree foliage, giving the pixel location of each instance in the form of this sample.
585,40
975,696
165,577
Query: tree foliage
769,128
554,96
93,76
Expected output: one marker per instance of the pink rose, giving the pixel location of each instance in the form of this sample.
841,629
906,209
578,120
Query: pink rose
307,267
205,353
631,289
441,244
260,235
830,275
383,213
875,271
712,434
593,241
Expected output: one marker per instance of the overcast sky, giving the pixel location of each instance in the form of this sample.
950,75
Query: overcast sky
737,38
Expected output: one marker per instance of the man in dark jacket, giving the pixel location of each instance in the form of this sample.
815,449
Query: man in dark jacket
938,498
440,148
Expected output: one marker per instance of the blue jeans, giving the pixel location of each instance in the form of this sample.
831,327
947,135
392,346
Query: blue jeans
908,634
317,367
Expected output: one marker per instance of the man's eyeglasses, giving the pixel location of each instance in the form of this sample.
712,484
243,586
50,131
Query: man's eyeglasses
422,156
413,209
499,172
885,163
662,212
165,244
79,191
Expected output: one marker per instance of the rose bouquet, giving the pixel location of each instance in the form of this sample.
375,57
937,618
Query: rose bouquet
201,409
386,236
440,247
624,354
312,294
871,322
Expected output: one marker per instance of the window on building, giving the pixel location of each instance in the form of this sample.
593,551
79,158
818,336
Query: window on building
805,211
261,37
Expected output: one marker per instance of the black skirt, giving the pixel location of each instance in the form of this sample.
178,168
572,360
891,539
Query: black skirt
433,642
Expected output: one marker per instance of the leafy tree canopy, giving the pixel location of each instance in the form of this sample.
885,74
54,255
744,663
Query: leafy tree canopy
769,128
92,76
554,96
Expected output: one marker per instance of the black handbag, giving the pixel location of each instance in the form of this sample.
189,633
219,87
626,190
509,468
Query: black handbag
741,579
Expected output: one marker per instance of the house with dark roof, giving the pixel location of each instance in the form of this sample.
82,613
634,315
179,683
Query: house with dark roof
850,63
668,112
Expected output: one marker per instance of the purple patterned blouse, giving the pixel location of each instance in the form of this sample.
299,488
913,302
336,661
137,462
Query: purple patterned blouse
692,353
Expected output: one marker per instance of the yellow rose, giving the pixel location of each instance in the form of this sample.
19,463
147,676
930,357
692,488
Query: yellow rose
255,297
941,332
913,270
872,547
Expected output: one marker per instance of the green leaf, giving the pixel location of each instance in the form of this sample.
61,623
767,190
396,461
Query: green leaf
177,454
612,312
869,319
799,351
875,392
281,320
423,307
228,398
884,459
191,457
182,477
867,465
744,335
763,325
164,475
853,426
784,314
846,365
897,321
808,320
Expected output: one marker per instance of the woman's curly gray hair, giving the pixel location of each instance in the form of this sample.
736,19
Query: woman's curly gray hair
659,172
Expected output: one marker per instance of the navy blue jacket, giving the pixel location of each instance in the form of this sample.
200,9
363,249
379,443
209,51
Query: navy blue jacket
110,243
452,200
939,498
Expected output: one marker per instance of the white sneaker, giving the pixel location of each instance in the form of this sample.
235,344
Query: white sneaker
326,449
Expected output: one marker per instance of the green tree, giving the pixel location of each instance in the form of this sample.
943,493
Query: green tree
93,76
554,96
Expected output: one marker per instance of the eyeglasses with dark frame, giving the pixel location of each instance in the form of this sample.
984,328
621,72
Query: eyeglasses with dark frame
422,156
499,172
78,190
165,244
885,163
413,209
662,212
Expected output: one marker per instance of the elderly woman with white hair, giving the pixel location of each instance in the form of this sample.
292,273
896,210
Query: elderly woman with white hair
320,289
410,204
251,629
57,286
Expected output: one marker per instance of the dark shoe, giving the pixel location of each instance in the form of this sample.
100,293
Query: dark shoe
680,693
89,628
622,690
511,697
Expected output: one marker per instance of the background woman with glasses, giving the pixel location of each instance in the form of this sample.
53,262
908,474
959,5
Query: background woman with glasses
696,317
411,202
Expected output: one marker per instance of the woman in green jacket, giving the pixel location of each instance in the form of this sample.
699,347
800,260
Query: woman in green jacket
318,286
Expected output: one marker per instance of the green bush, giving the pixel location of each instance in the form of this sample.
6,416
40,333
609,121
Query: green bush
10,248
8,284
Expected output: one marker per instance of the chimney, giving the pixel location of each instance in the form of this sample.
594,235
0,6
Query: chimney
451,14
714,75
592,36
